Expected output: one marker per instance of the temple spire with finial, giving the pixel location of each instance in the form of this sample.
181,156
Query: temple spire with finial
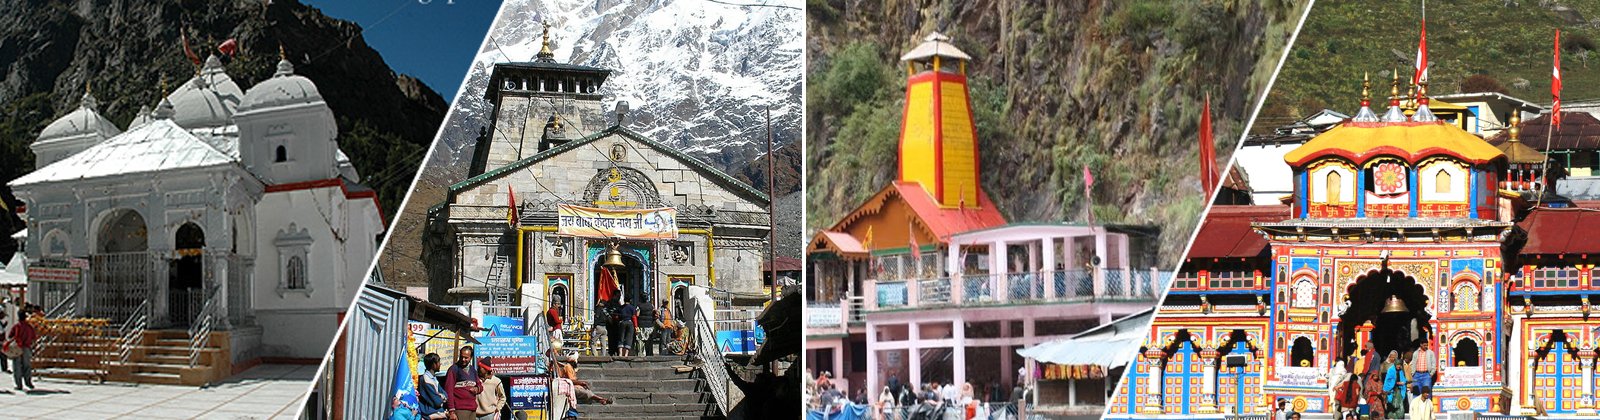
1423,114
545,55
1515,127
1365,113
285,68
1394,114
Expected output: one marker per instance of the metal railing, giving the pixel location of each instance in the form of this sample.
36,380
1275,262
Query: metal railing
934,290
1111,284
713,365
200,329
131,333
65,307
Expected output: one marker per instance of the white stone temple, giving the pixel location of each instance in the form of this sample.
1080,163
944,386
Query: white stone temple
220,210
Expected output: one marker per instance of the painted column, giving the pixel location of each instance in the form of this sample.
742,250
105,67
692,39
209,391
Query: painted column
1099,269
1048,273
957,269
1208,388
999,268
913,357
958,360
873,382
1586,360
1031,365
1008,373
1153,382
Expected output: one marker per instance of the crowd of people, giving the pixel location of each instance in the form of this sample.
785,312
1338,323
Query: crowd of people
1394,385
930,401
624,329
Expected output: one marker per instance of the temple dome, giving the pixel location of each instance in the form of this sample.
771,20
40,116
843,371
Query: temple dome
209,99
84,120
284,89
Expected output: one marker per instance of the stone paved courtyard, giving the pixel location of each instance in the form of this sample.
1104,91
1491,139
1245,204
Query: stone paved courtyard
263,392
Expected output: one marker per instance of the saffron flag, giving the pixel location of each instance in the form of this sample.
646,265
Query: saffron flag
511,206
1208,153
1421,74
1555,85
189,53
608,285
228,47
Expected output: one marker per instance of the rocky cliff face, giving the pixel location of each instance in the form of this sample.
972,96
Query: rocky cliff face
123,49
1115,86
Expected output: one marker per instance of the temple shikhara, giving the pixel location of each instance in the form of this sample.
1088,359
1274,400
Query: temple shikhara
926,281
1402,229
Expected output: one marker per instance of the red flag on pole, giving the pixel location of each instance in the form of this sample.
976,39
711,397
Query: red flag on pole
1088,178
1208,153
228,47
189,53
916,250
1555,85
1421,74
608,285
511,206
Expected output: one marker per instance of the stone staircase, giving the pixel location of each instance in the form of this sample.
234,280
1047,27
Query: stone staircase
646,388
160,357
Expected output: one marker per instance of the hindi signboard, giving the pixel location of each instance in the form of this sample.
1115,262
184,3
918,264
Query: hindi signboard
50,274
513,355
528,394
590,222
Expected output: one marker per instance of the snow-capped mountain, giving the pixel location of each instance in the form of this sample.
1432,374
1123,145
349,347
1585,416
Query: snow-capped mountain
697,74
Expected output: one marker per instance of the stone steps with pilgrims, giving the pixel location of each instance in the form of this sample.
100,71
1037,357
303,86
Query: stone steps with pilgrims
157,357
648,388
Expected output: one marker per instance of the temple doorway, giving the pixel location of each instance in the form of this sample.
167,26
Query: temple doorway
186,275
631,278
1400,326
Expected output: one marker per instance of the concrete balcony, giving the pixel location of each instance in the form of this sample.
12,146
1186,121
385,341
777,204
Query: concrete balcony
1059,286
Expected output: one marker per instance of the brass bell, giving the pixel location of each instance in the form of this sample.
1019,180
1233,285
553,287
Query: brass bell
613,258
1395,306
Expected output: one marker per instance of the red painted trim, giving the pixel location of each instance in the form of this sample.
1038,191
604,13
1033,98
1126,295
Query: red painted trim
938,137
330,182
1365,156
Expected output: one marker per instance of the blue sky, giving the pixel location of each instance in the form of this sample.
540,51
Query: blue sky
432,40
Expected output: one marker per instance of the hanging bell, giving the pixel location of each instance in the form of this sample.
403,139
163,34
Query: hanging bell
613,258
1395,306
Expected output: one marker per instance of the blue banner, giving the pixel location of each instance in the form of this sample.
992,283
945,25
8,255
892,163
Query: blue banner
528,392
514,355
736,341
499,326
405,394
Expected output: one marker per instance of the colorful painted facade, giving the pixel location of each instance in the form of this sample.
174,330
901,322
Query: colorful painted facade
1402,231
926,280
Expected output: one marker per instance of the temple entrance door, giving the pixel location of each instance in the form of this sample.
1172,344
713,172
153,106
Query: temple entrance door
1236,379
186,275
1400,332
1556,376
121,267
632,279
1181,372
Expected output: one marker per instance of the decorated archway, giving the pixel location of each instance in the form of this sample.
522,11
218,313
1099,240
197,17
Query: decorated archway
1398,331
120,266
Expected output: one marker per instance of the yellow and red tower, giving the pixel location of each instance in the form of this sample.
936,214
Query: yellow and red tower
938,140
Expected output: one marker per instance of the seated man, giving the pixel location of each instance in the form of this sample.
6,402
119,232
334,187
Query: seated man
568,370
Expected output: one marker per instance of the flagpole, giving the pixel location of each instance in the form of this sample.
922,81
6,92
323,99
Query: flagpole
1555,118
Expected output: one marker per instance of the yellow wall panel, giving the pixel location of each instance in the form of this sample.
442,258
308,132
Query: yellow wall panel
917,140
960,149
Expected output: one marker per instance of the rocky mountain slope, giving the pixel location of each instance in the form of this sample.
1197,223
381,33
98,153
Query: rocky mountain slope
1114,85
698,76
123,49
1505,45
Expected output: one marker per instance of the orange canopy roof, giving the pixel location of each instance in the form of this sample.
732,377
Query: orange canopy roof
1409,141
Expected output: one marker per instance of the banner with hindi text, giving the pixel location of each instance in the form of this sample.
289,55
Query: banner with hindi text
590,222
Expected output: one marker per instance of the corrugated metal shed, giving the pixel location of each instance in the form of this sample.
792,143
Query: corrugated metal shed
375,337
